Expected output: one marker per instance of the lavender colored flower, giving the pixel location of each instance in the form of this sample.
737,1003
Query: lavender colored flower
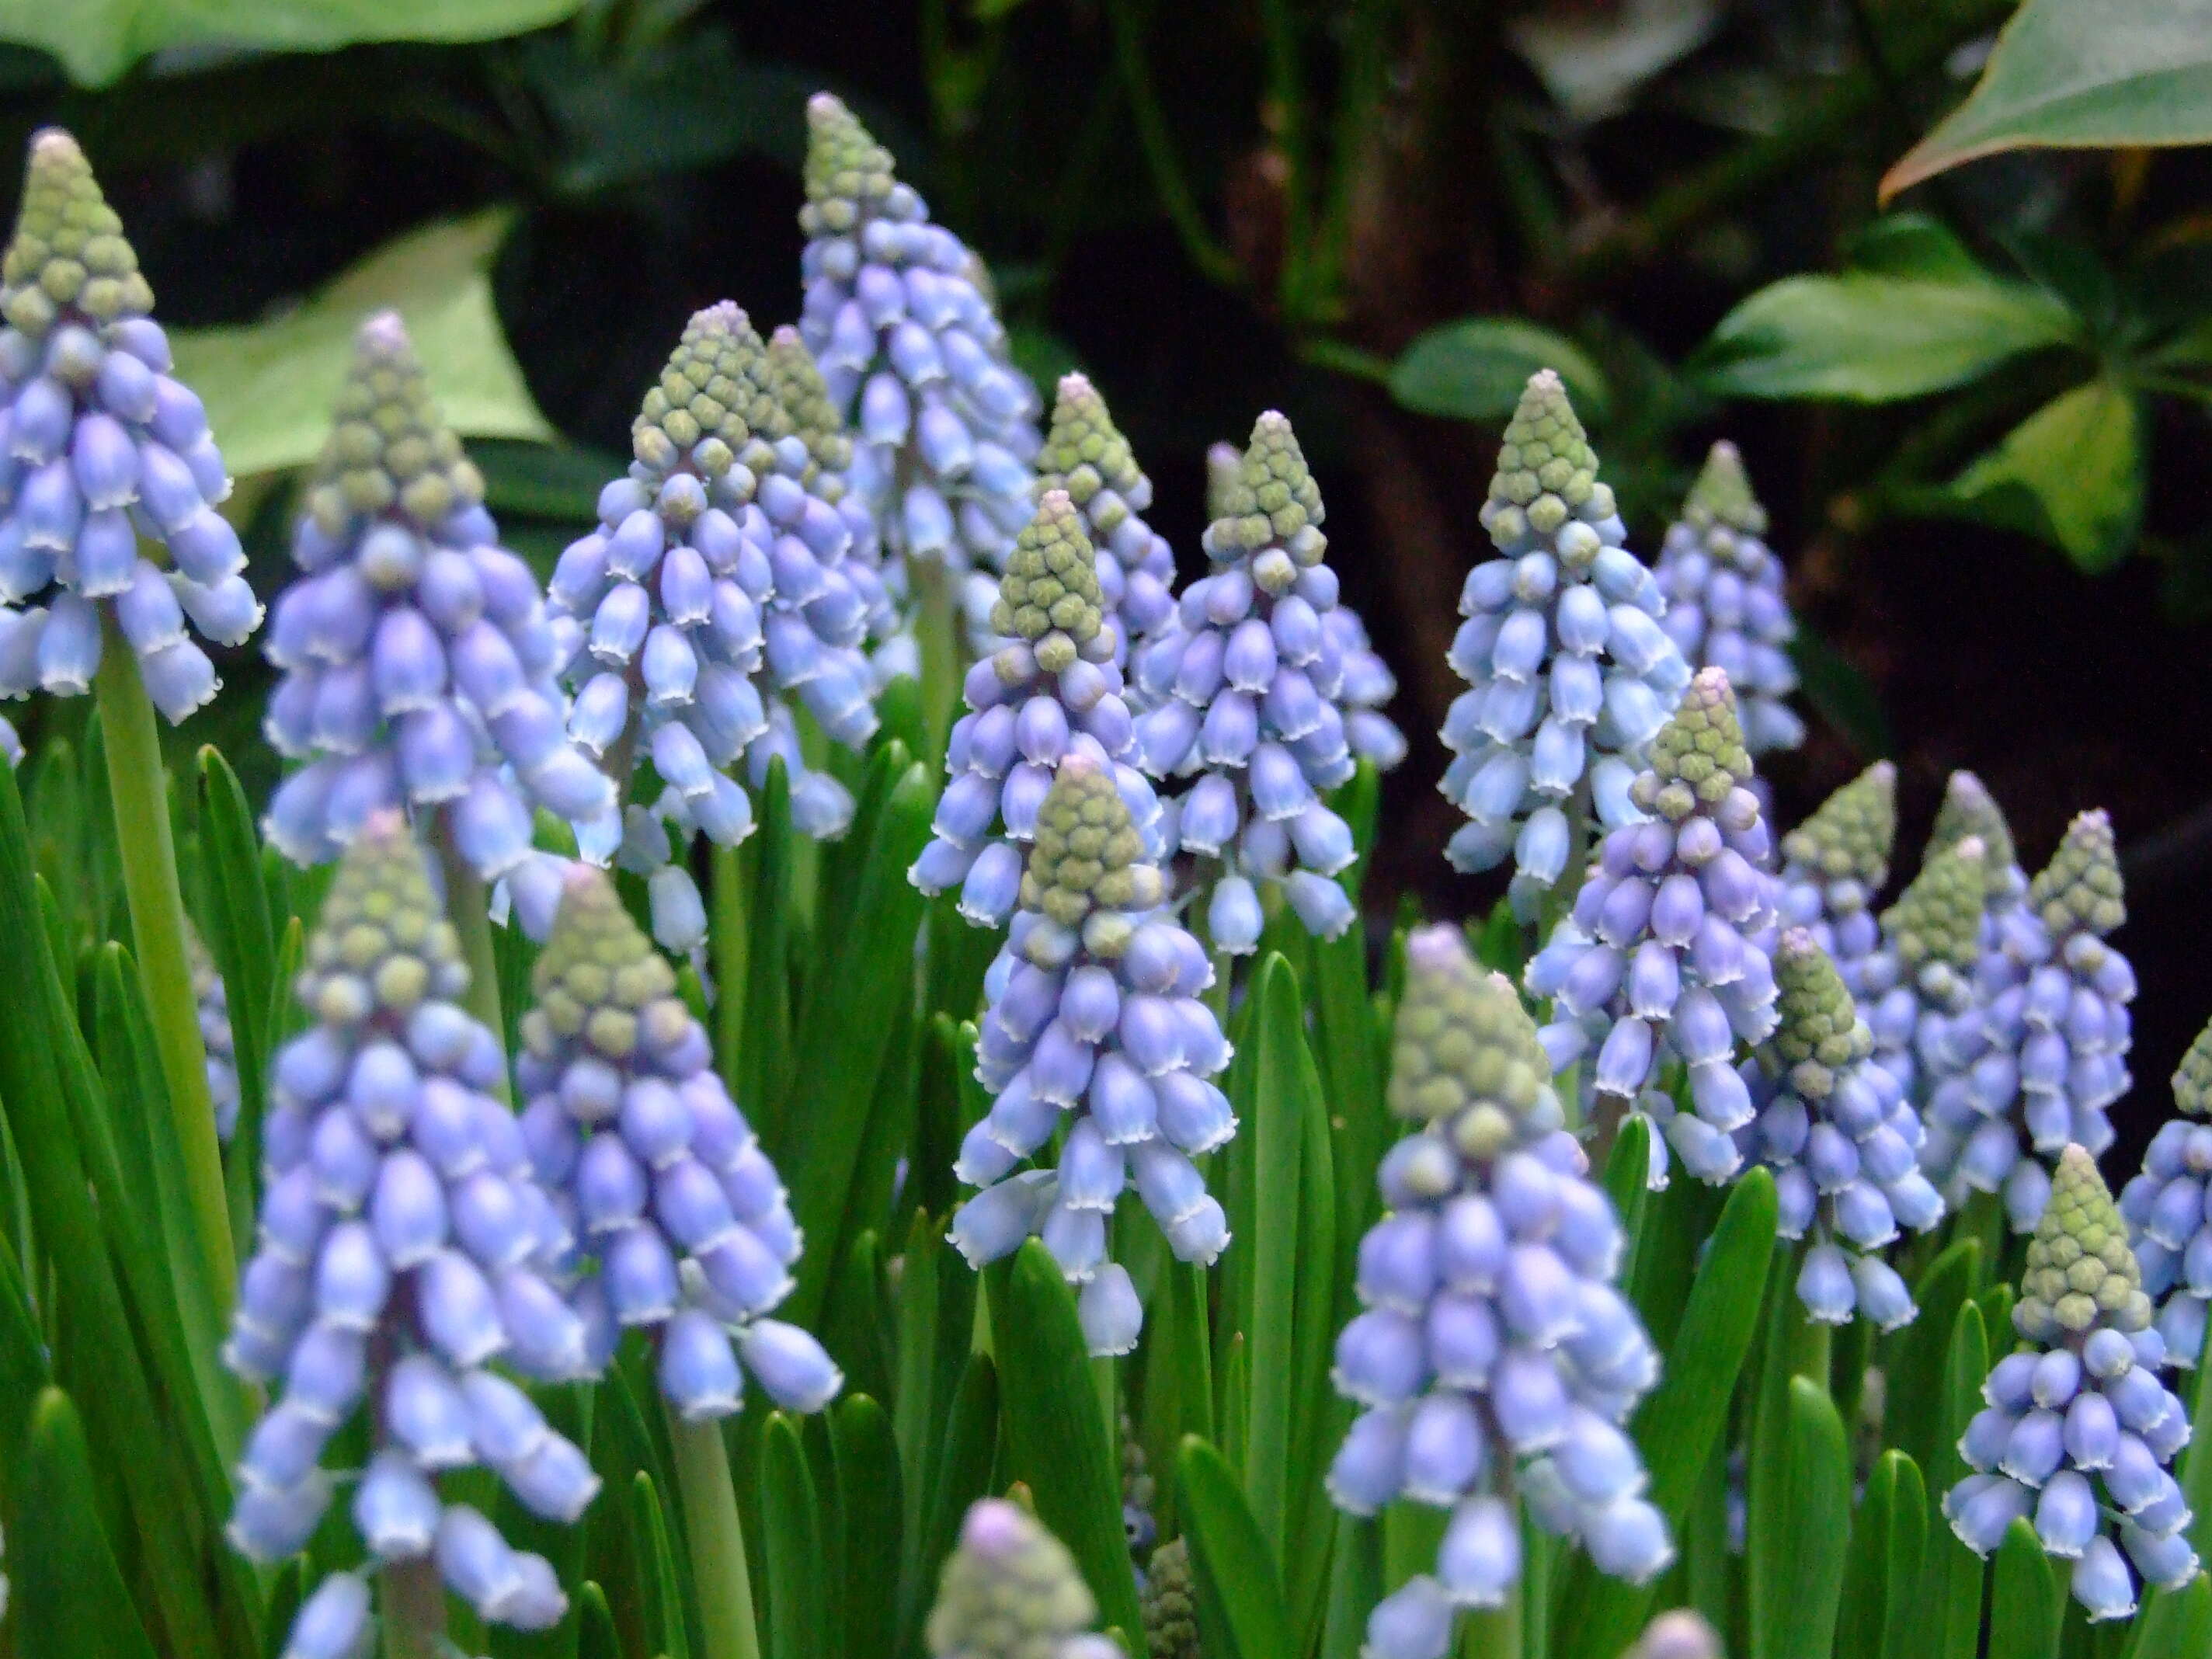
2045,1052
1095,1027
1085,454
1679,1633
1836,1131
1664,955
1250,687
1916,989
1569,672
1835,862
1969,808
1051,691
215,1035
716,564
1011,1590
100,447
404,1245
1725,607
2079,1433
898,313
661,1175
2167,1213
1495,1352
416,657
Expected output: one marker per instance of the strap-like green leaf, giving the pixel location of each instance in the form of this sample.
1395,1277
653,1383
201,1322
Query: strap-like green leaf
1816,1515
1240,1595
2026,1600
870,1513
664,1594
791,1546
69,1596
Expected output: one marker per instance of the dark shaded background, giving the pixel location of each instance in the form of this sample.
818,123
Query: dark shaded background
1355,170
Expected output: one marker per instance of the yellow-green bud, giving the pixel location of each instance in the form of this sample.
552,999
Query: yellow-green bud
1698,755
1272,500
1171,1604
718,384
390,448
847,171
1939,917
2079,891
381,942
2192,1080
1546,471
1463,1053
2082,1272
1722,496
1850,836
69,252
1049,595
599,980
1085,452
799,387
1087,855
1010,1591
1969,808
1819,1032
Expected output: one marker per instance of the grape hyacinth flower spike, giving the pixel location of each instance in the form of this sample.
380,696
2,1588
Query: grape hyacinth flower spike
1835,862
1663,954
1495,1349
1051,691
1969,808
403,1246
1725,607
100,448
415,654
714,563
899,314
666,1181
2166,1210
1011,1590
1249,687
2044,1052
1085,454
215,1035
1095,1023
1845,1170
2079,1433
1916,990
1569,673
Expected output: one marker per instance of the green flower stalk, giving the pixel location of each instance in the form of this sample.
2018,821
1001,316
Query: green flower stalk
2079,1430
1011,1590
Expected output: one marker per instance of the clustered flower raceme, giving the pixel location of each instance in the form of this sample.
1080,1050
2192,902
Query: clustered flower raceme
1249,686
213,1001
1725,607
1095,1027
1171,1604
2046,1052
403,1246
657,1170
1839,1135
1050,691
1969,808
99,446
417,659
1569,672
2168,1214
1011,1590
1916,989
898,313
1664,955
1085,454
714,561
1493,1340
2078,1424
1835,862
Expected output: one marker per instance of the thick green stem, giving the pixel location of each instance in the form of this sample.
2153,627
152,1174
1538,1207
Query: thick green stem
717,1539
943,659
138,786
468,907
414,1609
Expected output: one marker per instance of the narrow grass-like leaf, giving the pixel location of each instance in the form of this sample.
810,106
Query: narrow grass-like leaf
70,1594
596,1638
1055,1438
664,1626
2174,1624
1866,1565
1627,1168
1679,1425
1280,1070
1816,1515
1355,1585
1912,1405
1240,1594
1766,1465
756,1048
1902,1628
791,1546
2026,1598
1951,1574
960,1473
872,1507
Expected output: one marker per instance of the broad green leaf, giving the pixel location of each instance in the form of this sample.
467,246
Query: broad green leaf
1055,1438
2079,74
268,386
70,1593
1473,369
2175,1622
2026,1598
97,39
1912,245
1881,1573
1679,1427
1240,1594
2073,473
1867,338
596,1638
792,1545
1815,1517
870,1501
